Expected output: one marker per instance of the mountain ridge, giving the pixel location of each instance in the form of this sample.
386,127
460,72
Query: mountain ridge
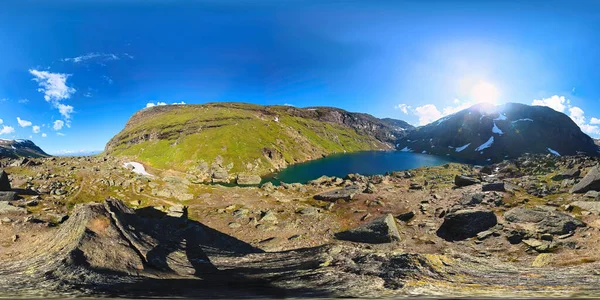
485,133
20,148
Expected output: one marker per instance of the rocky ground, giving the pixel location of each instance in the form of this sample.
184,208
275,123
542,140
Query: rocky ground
90,226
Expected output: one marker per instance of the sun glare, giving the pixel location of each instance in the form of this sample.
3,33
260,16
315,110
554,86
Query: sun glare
485,92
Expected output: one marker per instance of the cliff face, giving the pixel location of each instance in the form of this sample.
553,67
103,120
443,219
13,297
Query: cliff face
485,133
221,139
20,148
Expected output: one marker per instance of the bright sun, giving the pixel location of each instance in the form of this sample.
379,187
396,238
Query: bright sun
484,92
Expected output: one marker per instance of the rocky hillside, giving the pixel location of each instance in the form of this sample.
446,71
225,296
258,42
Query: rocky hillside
597,142
20,148
219,140
485,133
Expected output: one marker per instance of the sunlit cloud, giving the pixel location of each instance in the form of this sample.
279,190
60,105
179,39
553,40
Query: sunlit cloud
58,125
23,123
55,89
7,130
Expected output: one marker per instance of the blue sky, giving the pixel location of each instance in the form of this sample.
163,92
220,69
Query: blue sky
73,72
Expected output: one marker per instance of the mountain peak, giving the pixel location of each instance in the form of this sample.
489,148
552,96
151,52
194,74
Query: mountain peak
20,148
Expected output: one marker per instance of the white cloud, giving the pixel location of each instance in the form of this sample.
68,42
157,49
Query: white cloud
179,103
403,108
454,109
93,55
1,121
152,104
55,89
60,134
53,85
65,110
58,124
6,130
427,114
578,116
23,123
44,135
593,121
24,100
558,103
36,129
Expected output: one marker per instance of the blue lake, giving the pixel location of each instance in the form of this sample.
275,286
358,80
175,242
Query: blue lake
364,163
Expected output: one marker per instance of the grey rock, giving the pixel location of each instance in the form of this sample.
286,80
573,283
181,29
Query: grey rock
591,206
268,216
380,230
461,180
5,208
346,193
245,179
591,182
4,181
407,216
268,186
495,187
464,224
371,189
177,211
8,196
592,194
569,174
472,199
309,211
545,220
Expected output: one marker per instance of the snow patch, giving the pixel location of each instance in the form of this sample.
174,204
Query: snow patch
522,120
486,144
137,168
497,130
424,152
463,147
406,149
553,152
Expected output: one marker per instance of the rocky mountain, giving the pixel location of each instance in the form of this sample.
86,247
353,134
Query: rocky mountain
218,140
597,142
20,148
486,133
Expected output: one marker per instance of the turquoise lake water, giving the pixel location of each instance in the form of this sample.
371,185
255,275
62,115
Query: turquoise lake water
364,163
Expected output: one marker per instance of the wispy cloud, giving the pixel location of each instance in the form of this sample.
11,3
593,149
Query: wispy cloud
55,89
60,134
6,130
403,108
23,123
152,104
1,121
24,100
92,56
44,135
36,129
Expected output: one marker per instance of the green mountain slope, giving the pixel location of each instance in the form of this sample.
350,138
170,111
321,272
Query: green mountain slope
212,139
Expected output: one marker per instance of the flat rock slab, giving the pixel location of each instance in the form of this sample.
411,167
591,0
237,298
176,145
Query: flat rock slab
461,180
494,187
591,206
381,230
8,196
6,208
569,174
464,224
545,220
346,193
245,179
591,182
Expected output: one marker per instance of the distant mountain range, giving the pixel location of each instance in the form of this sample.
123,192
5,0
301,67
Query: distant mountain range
486,133
20,148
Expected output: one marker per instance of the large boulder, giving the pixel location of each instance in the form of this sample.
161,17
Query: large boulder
461,180
244,179
568,174
4,182
591,206
8,196
6,208
346,193
381,230
591,182
464,224
545,220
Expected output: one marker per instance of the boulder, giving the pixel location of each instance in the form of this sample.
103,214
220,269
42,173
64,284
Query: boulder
4,182
591,206
568,174
5,208
464,224
461,180
545,220
494,187
406,216
472,199
8,196
220,176
591,182
346,193
380,230
245,179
